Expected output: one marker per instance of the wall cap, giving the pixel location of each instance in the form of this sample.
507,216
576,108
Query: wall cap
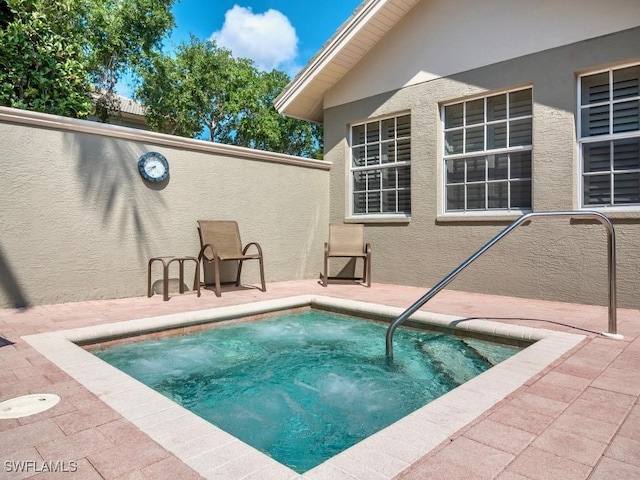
56,122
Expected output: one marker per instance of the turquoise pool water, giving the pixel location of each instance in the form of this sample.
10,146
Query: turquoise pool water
303,387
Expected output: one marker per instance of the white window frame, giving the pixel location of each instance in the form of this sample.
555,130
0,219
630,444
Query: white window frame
486,212
385,216
610,137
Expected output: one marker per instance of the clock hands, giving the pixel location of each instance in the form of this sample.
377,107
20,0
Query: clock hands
153,167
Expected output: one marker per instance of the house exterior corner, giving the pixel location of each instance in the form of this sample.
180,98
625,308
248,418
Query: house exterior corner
449,146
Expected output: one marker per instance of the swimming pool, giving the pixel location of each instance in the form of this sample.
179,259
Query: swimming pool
216,454
302,387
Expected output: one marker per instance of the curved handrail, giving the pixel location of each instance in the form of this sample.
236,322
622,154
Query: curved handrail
611,268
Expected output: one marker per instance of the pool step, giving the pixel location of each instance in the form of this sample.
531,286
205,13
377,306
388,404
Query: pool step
455,359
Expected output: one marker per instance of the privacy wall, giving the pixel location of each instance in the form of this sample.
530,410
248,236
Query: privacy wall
79,222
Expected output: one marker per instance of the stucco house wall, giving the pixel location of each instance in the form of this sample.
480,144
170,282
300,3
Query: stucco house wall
78,222
549,259
439,38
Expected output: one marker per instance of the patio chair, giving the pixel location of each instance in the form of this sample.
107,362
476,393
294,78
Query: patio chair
220,242
347,241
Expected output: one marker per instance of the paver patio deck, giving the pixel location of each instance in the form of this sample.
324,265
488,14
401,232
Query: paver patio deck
579,419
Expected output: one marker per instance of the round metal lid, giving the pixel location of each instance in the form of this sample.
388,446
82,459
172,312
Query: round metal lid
28,405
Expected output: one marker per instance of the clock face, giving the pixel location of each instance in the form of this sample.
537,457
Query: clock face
153,167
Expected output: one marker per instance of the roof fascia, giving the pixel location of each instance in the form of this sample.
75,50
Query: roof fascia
342,36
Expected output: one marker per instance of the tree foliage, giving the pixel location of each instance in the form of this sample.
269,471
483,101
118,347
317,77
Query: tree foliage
120,35
193,92
203,91
42,61
54,54
259,125
66,57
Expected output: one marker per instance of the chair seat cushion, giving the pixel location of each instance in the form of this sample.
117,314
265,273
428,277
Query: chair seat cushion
342,253
239,257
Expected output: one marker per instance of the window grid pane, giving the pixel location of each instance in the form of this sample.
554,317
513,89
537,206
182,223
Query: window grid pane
492,182
403,126
595,120
496,135
497,108
454,116
381,172
595,88
626,82
625,116
489,181
474,112
626,188
388,152
609,105
498,195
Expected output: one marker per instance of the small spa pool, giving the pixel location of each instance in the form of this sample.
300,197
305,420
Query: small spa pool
304,386
214,453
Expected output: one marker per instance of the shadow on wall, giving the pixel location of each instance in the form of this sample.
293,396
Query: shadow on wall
108,172
10,285
307,253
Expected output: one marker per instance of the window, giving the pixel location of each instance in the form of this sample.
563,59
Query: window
609,127
487,153
381,167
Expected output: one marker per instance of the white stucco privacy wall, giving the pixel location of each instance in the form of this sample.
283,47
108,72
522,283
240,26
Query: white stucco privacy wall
78,222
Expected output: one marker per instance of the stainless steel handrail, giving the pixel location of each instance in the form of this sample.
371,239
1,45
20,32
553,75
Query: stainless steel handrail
611,268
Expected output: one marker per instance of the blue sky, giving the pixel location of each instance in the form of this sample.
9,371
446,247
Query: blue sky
281,34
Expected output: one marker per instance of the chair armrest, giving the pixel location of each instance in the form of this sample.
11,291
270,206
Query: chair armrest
204,248
256,244
367,248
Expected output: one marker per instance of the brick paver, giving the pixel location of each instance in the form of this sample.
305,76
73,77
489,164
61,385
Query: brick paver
579,419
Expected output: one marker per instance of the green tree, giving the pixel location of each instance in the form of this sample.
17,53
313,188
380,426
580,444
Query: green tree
66,57
6,15
42,62
261,126
203,91
56,54
196,91
122,34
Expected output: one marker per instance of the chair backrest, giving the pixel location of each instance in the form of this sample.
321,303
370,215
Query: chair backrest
346,239
224,235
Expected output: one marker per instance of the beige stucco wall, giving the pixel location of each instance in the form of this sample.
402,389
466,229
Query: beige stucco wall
550,259
78,222
439,38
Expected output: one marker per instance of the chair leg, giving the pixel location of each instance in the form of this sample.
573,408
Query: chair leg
165,281
216,273
149,278
196,280
239,272
264,288
196,276
326,271
181,275
367,265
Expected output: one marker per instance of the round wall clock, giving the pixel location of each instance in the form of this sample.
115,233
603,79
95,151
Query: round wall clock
153,167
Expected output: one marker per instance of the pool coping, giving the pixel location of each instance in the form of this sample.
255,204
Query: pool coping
214,453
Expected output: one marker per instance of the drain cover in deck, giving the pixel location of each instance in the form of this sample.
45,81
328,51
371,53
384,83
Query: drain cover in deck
28,405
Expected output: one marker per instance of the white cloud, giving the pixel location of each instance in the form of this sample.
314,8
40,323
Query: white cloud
267,38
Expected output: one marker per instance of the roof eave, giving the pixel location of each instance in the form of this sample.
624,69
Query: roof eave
346,31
